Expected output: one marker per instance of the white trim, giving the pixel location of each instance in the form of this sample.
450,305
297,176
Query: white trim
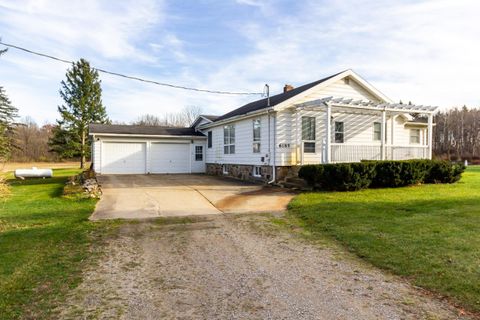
96,134
259,175
255,113
348,73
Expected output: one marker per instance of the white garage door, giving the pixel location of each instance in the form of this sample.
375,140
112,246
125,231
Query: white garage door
170,158
123,158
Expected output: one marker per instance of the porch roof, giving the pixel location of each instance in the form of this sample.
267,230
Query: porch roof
367,105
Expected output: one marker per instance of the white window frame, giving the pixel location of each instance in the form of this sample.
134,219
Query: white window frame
257,125
257,171
417,137
198,153
335,132
375,132
229,139
306,138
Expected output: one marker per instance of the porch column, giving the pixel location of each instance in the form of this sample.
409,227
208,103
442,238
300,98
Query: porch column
430,135
383,135
328,127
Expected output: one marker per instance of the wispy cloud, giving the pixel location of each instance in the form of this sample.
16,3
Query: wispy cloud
423,51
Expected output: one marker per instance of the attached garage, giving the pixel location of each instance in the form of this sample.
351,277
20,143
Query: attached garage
121,149
124,157
169,157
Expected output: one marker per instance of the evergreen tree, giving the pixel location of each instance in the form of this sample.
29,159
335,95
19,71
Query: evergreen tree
8,113
82,94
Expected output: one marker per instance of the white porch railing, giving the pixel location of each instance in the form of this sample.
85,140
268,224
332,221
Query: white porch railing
353,153
406,152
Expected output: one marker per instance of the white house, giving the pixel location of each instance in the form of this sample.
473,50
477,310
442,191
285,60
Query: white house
341,118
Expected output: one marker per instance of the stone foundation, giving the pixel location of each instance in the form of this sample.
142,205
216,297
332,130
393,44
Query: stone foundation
245,172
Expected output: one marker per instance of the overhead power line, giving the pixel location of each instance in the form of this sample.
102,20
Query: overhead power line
164,84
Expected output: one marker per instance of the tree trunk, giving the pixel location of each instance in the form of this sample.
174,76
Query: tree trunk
82,151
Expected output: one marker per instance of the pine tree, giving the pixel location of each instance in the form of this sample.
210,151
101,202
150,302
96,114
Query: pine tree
82,94
8,113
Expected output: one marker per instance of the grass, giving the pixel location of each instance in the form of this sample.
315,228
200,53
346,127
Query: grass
429,234
44,243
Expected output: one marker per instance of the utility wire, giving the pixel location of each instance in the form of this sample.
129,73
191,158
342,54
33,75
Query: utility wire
164,84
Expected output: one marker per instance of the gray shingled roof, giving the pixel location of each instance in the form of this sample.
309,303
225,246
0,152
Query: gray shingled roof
210,117
96,128
274,100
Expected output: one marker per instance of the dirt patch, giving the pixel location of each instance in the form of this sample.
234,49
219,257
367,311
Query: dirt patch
237,267
266,199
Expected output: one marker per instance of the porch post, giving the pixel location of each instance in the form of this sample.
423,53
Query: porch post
328,127
383,136
430,135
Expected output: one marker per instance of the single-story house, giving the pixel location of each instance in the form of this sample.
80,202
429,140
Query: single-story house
341,118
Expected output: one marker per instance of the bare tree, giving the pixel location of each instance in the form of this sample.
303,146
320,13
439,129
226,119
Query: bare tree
31,141
457,134
184,118
149,120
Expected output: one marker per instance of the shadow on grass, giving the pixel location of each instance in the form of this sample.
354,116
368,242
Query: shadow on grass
433,242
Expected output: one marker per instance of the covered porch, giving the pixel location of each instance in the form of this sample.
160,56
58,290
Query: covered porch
347,130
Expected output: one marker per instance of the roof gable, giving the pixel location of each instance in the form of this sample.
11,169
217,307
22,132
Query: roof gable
285,99
274,100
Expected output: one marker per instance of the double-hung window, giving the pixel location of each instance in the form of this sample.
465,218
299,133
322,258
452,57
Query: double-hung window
339,132
414,136
377,131
308,134
256,135
229,139
198,153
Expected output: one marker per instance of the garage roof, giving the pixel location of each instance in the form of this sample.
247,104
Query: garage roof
97,128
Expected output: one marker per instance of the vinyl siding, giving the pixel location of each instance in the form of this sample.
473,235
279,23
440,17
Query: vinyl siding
358,128
243,143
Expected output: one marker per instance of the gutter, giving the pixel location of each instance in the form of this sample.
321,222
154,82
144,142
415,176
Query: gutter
235,118
130,135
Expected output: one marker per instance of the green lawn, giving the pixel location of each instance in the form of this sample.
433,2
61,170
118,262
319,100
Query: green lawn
429,234
44,241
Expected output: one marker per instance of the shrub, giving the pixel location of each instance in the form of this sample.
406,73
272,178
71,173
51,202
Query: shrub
391,174
381,174
444,172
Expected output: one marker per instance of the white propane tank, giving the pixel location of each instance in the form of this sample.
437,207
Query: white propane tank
33,173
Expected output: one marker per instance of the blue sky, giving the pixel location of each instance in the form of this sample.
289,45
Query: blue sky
423,51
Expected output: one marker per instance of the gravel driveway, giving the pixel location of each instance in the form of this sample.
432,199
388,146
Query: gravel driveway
237,267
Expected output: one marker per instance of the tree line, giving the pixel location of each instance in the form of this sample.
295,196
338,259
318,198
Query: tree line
457,134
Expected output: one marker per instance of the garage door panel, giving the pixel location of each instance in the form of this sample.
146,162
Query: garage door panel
123,158
170,158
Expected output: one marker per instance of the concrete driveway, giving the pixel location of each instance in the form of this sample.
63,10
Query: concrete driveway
151,196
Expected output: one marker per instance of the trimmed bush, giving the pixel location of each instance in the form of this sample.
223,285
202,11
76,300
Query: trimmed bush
379,174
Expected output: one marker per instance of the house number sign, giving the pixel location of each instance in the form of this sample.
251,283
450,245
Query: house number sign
284,145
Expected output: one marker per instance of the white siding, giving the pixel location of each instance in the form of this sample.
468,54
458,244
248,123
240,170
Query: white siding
358,128
243,143
198,166
340,89
96,155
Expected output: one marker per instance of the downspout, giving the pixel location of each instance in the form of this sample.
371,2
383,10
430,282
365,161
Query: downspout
267,89
274,146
